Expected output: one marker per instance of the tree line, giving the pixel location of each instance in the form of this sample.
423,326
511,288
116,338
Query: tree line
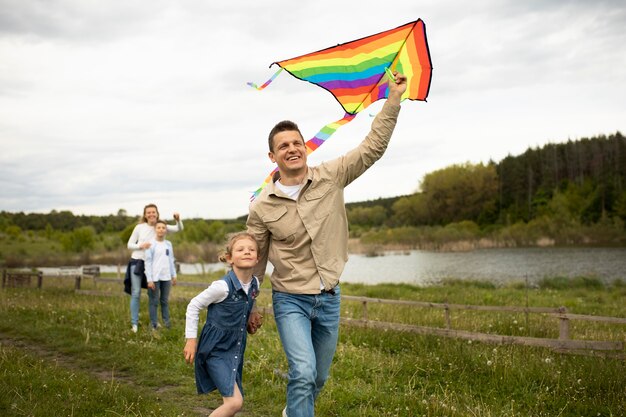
570,189
66,221
580,181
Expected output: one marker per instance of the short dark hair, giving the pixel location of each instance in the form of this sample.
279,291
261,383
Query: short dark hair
284,126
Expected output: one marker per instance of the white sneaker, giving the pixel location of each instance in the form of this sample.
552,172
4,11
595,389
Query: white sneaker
285,412
134,328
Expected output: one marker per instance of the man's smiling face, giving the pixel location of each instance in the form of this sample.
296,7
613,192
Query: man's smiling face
289,152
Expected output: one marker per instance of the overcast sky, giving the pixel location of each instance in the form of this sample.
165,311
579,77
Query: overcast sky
108,105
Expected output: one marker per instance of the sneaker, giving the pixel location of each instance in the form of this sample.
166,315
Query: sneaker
285,412
134,328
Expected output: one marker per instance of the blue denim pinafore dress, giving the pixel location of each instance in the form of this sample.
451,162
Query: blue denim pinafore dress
219,359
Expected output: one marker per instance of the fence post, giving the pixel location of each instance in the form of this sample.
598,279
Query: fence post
4,277
446,310
39,279
563,324
77,283
526,312
365,310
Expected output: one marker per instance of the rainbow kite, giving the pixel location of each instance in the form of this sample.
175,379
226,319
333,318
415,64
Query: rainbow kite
355,73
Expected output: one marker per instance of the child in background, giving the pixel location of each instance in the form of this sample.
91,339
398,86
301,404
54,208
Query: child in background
139,242
219,353
161,275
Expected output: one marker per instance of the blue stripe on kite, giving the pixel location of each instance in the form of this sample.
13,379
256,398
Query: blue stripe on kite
351,76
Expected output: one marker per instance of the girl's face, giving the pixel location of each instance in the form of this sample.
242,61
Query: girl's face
151,214
243,254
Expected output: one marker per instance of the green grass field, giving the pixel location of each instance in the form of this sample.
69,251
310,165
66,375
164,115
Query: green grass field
69,354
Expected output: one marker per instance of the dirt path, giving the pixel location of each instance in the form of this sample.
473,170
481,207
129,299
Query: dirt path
71,364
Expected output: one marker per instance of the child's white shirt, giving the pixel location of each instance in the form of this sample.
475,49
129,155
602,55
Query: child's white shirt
215,293
160,262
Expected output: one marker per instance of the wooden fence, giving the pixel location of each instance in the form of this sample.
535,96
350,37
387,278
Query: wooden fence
564,343
21,278
24,277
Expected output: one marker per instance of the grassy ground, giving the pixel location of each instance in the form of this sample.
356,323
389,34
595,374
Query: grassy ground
68,354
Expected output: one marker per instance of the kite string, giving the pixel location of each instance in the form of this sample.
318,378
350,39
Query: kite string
311,145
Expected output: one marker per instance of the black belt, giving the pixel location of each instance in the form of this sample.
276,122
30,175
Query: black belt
331,291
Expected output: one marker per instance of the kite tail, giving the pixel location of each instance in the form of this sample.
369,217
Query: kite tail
311,145
326,132
268,82
267,181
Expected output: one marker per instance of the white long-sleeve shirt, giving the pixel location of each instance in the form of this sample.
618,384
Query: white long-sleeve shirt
215,293
142,233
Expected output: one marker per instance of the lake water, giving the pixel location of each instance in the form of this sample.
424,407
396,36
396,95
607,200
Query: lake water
496,265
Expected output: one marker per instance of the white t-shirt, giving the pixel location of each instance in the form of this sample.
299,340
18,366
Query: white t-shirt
161,261
291,191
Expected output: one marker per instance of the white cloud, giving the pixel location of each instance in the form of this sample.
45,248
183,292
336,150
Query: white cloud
108,106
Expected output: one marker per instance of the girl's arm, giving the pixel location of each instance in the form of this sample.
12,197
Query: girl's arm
216,293
190,350
255,320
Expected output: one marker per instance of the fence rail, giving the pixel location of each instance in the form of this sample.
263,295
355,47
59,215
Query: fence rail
564,343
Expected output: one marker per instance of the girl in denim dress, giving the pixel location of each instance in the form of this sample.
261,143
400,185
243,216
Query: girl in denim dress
219,353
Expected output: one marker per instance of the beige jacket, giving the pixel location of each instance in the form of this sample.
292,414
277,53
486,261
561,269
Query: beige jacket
307,240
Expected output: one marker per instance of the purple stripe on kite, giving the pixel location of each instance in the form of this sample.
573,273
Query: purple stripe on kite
382,91
316,141
331,85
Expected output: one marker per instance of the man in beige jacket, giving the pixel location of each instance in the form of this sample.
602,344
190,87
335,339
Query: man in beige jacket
300,223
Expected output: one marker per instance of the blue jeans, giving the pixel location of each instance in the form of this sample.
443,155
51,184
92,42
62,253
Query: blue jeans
160,295
308,326
135,294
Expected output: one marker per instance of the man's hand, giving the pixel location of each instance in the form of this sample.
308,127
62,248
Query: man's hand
151,285
254,322
190,350
397,87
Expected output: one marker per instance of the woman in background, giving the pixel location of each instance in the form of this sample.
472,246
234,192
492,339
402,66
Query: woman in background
139,241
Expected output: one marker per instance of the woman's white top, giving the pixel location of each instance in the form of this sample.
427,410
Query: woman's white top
143,232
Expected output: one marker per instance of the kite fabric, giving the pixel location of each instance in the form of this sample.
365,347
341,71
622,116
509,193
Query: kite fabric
355,73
